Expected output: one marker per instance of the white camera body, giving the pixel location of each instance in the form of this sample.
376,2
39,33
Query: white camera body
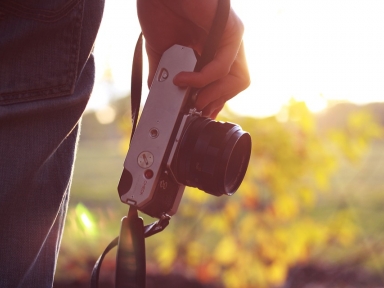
147,158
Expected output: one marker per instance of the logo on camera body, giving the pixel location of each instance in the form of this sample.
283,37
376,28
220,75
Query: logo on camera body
143,187
163,75
163,184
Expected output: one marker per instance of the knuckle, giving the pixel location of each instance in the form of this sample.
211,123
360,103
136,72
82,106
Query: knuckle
200,83
241,27
246,82
235,26
223,72
200,80
226,71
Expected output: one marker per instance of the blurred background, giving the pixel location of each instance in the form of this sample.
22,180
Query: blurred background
309,212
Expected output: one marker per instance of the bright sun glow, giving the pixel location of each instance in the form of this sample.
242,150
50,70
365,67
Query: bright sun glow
105,115
311,50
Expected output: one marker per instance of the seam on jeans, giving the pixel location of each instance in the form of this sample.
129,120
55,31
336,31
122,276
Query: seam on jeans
35,94
75,51
37,14
65,89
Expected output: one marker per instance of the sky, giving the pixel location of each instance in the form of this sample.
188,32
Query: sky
314,51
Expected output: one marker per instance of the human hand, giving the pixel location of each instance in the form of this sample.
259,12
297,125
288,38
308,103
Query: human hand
187,22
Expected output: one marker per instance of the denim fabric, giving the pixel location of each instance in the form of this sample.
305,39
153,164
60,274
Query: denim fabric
46,77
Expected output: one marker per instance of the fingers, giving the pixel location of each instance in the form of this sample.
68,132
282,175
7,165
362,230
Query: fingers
214,113
216,69
221,65
212,97
225,76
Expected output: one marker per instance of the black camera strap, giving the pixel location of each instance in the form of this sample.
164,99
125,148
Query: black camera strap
130,259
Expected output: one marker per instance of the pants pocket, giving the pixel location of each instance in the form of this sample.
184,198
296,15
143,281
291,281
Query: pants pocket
39,48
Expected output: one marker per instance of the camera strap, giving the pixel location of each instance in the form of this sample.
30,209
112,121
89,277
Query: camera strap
130,258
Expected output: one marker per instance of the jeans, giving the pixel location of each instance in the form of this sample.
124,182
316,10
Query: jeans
46,78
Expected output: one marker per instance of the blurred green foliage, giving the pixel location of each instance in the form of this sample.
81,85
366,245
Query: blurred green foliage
252,238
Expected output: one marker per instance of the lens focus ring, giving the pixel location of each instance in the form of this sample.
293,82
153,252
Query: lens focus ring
213,156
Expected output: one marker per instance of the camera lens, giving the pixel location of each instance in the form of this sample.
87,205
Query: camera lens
213,156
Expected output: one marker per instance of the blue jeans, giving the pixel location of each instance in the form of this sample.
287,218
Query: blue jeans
46,78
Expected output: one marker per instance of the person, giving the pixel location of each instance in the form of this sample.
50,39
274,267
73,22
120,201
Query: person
46,78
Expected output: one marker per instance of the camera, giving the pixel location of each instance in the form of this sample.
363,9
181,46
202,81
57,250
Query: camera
174,146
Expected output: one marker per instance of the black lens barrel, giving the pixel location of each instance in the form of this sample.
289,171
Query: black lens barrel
213,156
